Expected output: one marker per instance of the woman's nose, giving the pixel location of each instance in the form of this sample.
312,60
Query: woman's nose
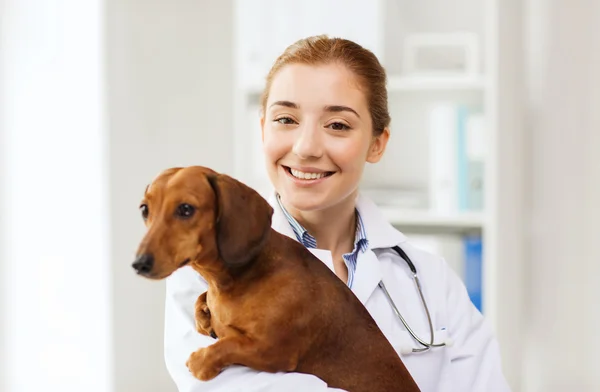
308,142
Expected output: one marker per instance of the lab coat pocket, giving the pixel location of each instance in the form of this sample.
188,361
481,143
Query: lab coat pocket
422,365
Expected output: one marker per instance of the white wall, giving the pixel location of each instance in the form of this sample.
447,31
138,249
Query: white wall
170,92
54,240
507,193
3,173
563,315
73,312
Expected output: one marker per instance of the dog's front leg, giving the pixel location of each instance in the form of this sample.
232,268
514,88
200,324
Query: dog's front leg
203,324
206,363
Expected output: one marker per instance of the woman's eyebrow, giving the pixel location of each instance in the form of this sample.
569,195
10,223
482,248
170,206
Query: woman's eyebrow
329,108
287,104
340,108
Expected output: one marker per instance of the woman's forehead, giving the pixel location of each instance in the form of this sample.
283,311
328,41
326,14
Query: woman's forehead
318,86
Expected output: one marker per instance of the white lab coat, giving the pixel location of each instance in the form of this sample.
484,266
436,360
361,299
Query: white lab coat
471,363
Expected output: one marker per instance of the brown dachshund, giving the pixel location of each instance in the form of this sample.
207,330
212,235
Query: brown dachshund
273,305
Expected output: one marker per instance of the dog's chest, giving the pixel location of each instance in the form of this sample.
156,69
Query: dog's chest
225,312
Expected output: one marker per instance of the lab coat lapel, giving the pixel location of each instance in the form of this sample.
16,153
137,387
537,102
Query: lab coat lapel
367,277
381,235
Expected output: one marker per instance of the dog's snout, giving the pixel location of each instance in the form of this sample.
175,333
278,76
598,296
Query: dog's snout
143,264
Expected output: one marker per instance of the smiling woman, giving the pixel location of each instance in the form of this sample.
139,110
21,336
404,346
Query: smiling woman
324,117
324,114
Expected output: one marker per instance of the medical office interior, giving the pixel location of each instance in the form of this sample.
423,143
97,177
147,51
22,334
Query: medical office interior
493,162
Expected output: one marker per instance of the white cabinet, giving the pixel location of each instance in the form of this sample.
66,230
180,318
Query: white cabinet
264,28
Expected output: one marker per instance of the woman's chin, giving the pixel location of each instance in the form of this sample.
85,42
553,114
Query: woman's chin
307,200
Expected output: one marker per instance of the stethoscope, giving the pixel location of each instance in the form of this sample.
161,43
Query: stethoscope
426,345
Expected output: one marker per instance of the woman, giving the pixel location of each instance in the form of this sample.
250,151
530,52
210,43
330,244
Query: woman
324,115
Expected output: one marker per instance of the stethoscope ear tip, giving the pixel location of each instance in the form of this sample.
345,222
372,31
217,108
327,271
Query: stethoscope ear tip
449,342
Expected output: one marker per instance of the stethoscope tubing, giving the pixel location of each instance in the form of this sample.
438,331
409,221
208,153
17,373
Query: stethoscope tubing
426,345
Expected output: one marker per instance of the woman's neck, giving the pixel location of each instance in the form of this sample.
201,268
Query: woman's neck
333,228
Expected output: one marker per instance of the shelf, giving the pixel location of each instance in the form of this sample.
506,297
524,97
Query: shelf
411,83
428,219
434,83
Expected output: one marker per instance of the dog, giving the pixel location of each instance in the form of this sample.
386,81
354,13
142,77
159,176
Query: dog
271,304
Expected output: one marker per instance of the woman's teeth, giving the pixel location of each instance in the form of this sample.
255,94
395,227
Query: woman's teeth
307,176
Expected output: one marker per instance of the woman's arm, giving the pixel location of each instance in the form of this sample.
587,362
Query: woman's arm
476,356
181,339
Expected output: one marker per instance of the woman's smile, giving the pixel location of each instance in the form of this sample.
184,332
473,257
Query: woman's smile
306,176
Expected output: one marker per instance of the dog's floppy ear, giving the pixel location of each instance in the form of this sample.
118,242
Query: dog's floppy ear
243,219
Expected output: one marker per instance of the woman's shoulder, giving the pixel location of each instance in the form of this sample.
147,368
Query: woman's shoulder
383,236
425,260
380,232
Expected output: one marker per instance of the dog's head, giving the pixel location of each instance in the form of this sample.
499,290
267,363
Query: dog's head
194,214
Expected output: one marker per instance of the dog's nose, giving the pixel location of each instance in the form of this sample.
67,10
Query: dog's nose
143,264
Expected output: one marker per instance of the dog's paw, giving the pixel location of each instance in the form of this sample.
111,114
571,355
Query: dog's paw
203,323
205,329
201,367
203,317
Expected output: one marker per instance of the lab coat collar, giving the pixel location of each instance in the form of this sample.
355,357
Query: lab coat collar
380,233
279,221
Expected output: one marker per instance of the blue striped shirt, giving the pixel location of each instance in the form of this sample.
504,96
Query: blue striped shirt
360,240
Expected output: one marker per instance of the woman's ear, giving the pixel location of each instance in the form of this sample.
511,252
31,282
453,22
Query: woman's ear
377,147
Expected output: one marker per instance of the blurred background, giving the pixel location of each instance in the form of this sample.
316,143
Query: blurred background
494,162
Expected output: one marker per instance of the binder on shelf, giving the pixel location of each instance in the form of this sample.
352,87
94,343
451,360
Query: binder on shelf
448,246
443,181
462,158
457,158
473,278
475,151
464,255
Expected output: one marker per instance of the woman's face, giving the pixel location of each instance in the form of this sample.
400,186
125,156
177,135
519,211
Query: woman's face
317,135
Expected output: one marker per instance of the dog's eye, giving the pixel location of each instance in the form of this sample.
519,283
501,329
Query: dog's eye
185,210
144,210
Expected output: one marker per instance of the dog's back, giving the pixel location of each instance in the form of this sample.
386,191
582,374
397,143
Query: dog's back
343,344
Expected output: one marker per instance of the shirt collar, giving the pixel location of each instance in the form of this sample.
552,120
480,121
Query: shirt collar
361,243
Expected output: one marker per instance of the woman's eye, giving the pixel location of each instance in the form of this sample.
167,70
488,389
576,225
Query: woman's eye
285,120
185,210
144,211
338,126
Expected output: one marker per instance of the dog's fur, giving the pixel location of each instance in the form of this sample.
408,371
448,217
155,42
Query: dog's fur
273,305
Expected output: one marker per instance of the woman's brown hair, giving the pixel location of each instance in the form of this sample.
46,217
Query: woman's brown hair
321,50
